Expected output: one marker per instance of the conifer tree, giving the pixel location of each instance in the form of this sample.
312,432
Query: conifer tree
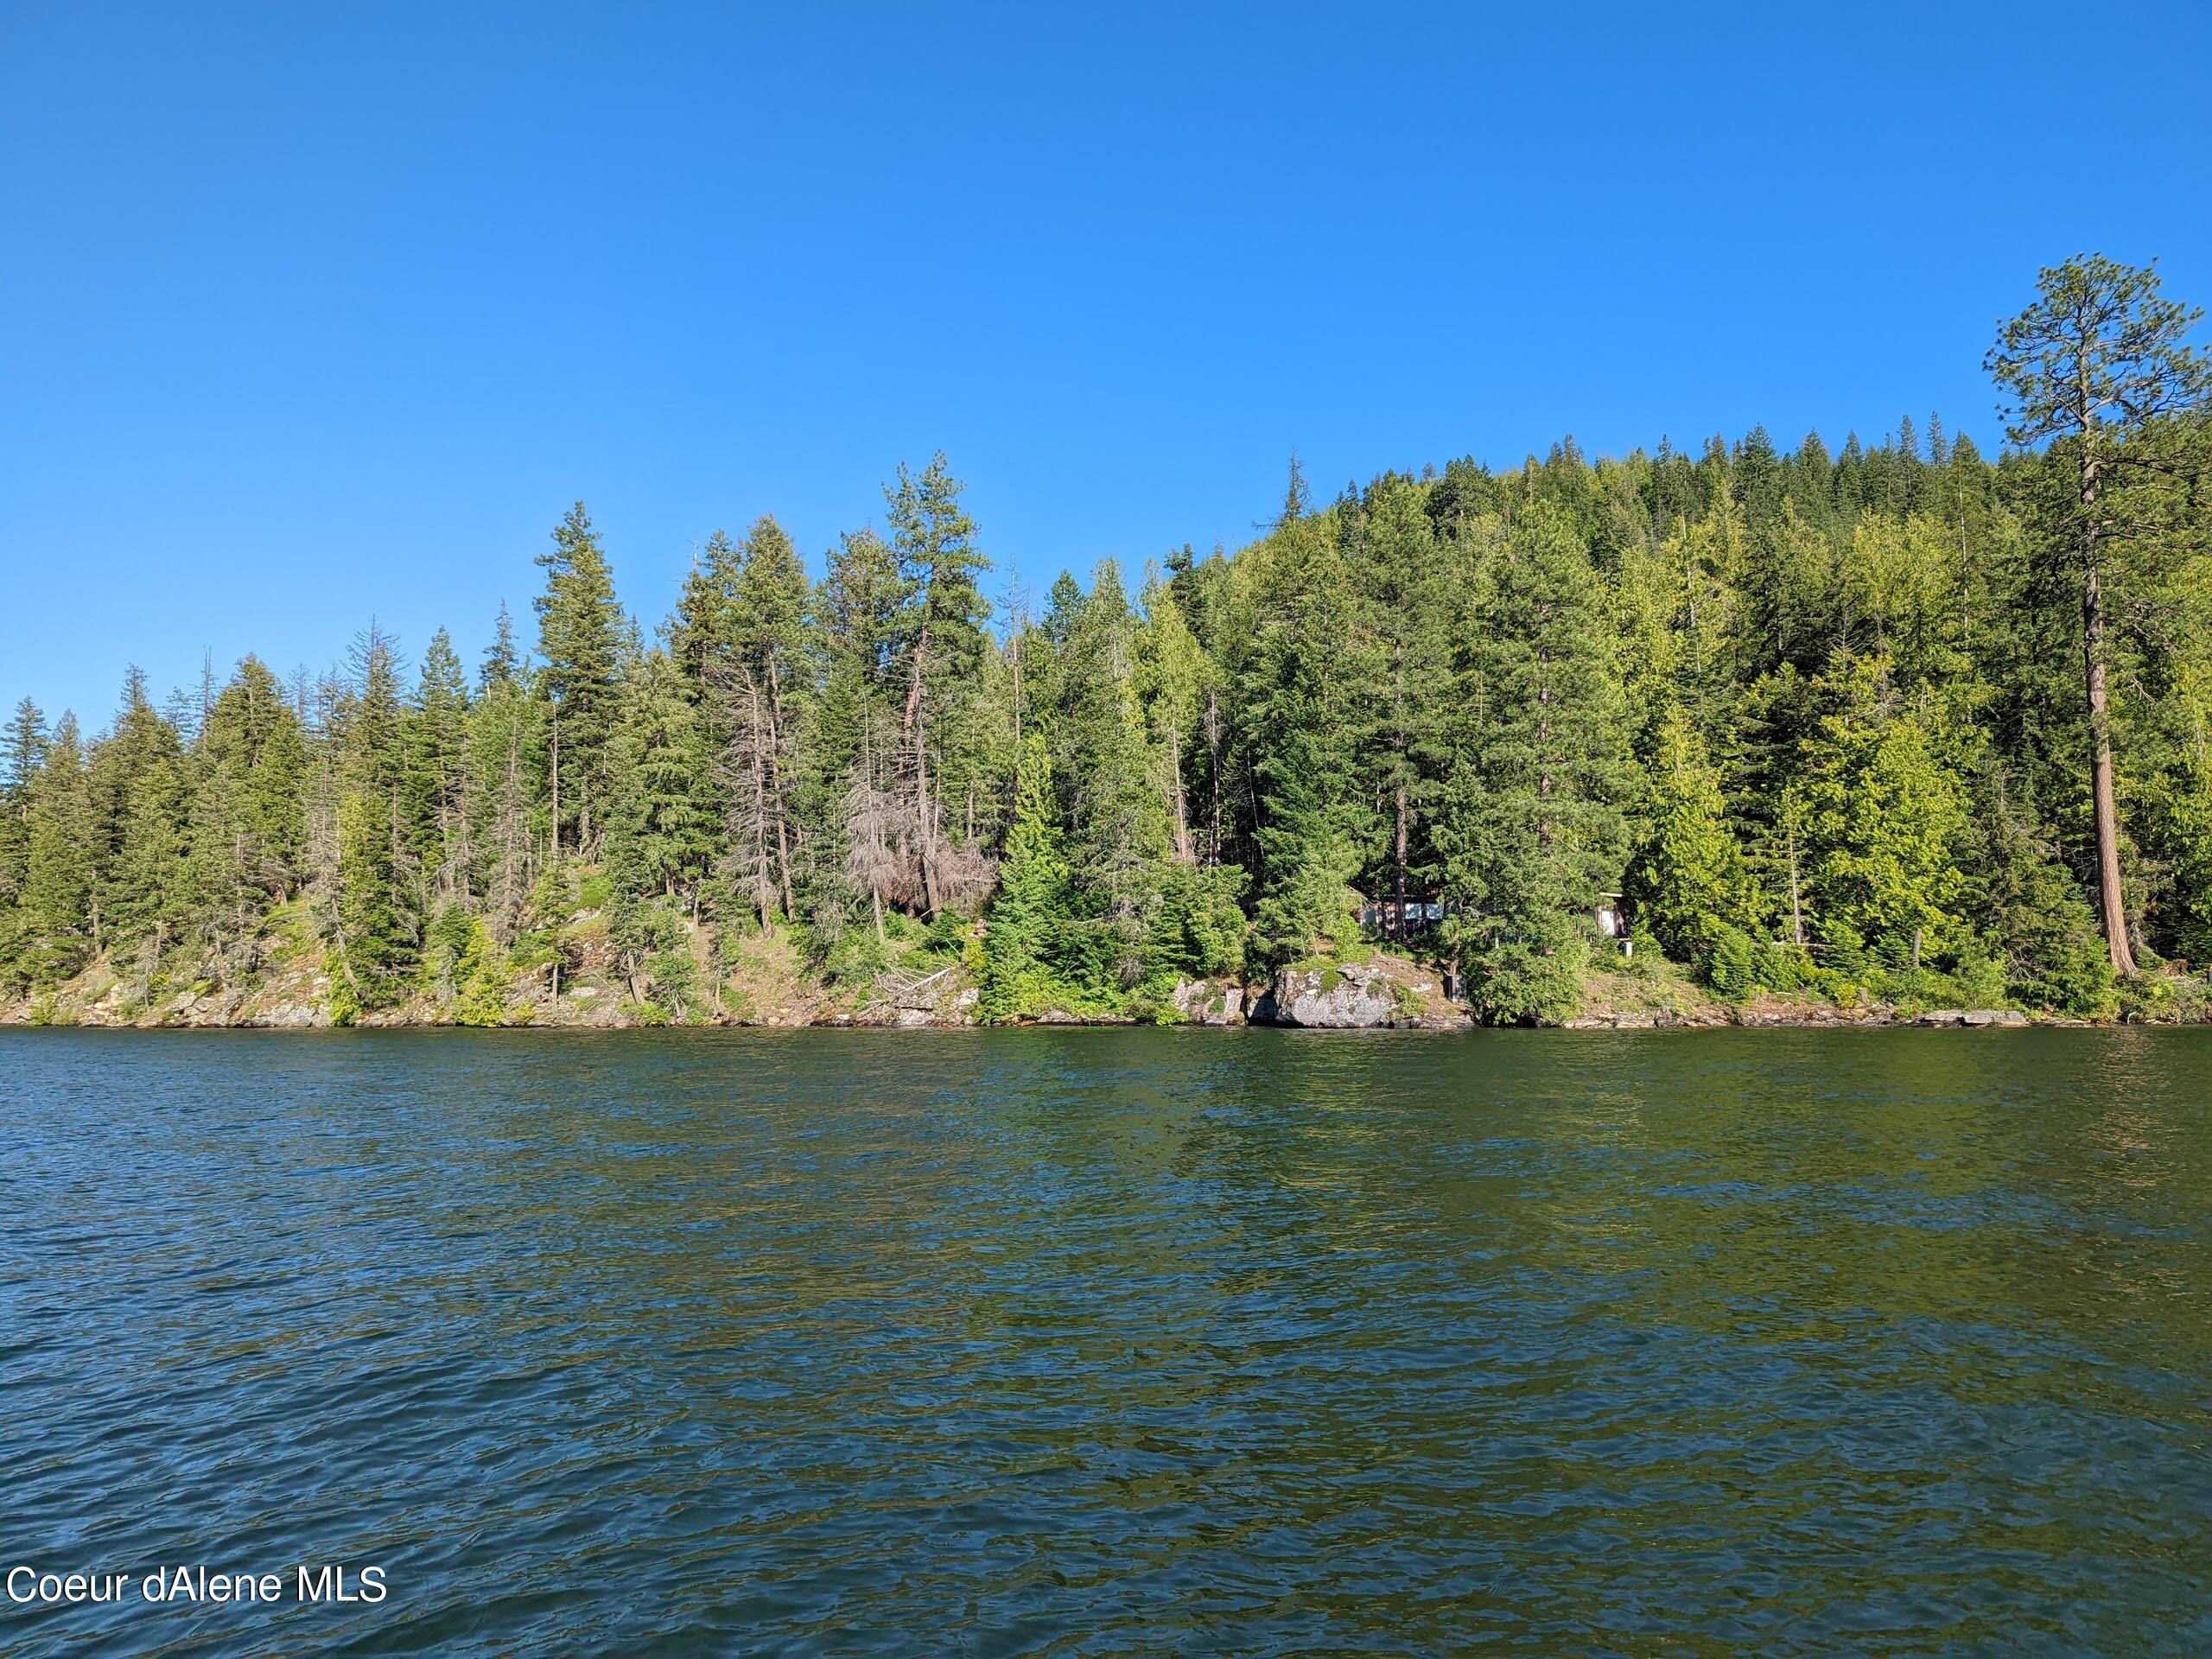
1533,831
1026,933
1411,600
254,744
1171,676
857,856
2101,363
439,780
942,638
1693,889
502,659
57,907
507,757
1303,688
372,960
581,633
745,628
1116,814
24,749
657,839
1884,819
138,821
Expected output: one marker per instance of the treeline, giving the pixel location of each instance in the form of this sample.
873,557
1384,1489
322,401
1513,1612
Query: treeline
1837,721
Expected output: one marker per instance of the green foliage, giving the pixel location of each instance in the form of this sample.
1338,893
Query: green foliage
1692,888
373,957
1533,831
1198,926
580,636
1530,974
466,970
1029,935
1883,818
1302,687
1774,695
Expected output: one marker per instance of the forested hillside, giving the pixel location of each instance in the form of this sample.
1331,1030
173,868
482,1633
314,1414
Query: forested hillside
1906,720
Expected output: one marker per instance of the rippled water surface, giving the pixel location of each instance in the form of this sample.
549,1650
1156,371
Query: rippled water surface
1116,1342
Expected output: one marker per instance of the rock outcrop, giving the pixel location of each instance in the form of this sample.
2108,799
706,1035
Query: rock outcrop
1346,998
1209,1002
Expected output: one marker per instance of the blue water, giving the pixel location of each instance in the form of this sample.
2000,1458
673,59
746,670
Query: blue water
1115,1342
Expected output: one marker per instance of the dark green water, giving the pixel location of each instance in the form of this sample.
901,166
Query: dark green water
1093,1342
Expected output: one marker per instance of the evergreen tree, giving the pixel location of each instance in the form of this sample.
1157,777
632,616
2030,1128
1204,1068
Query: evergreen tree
502,659
24,749
1409,600
941,640
1302,684
439,780
1116,813
138,823
372,959
1883,820
856,857
1693,890
1533,831
581,633
659,819
1026,933
57,915
1174,681
2100,363
745,635
507,760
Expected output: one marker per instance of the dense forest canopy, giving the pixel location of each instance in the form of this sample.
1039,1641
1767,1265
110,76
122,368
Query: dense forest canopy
1906,719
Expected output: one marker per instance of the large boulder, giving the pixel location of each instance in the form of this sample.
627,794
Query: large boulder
1209,1002
1337,998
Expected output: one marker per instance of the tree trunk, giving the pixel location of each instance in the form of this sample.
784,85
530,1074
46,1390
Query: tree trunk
783,867
925,837
778,736
1401,849
925,825
763,735
1213,779
1175,788
2111,902
1797,908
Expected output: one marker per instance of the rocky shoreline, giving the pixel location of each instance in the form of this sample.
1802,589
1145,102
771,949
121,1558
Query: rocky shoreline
1386,993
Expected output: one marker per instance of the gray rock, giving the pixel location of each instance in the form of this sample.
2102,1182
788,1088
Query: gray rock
1208,1002
1333,999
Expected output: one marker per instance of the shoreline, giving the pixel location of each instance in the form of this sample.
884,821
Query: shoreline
1377,990
1837,1020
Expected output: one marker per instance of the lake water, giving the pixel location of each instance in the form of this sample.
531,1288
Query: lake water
1115,1342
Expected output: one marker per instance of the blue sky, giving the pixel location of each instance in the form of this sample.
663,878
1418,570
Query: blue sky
313,313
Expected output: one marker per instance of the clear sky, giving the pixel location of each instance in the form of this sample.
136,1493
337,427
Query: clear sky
309,313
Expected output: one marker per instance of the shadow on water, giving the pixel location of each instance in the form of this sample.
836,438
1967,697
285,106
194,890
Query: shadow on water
1116,1341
